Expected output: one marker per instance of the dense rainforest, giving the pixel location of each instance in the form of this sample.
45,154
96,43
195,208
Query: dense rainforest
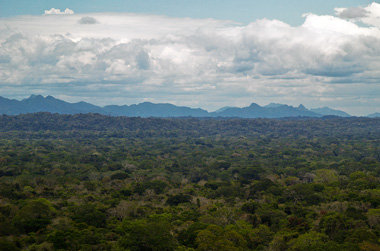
94,182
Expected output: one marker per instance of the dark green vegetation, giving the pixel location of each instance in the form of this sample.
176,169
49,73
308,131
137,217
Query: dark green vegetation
92,182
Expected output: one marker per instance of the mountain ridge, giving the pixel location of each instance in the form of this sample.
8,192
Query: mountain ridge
38,103
374,115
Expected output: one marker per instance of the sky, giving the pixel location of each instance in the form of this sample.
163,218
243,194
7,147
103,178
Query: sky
206,54
244,11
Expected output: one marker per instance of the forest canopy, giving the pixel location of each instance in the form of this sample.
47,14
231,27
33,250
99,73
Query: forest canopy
95,182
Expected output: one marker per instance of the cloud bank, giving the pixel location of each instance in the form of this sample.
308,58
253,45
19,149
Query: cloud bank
125,58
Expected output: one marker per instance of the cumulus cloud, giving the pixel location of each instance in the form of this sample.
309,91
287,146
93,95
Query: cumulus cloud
54,11
351,13
369,15
87,20
327,60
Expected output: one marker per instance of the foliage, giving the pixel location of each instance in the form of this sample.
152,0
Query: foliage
92,182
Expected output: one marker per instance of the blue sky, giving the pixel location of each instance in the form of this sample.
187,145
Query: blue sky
206,54
289,11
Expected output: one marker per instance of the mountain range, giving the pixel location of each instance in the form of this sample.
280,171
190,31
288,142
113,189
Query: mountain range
374,115
38,103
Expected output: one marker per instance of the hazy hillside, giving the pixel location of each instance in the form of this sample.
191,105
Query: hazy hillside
38,103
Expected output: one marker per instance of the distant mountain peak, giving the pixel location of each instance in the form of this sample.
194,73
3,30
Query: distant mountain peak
51,97
254,105
38,103
34,96
274,105
326,111
374,115
224,108
302,107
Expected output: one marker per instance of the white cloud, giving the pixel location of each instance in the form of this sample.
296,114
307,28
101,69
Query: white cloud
54,11
212,62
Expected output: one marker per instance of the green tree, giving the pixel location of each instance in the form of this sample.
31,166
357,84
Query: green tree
153,233
89,214
34,216
335,226
312,241
216,238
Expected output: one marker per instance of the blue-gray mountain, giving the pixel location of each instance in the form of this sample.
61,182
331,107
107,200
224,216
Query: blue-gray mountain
328,111
38,103
374,115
